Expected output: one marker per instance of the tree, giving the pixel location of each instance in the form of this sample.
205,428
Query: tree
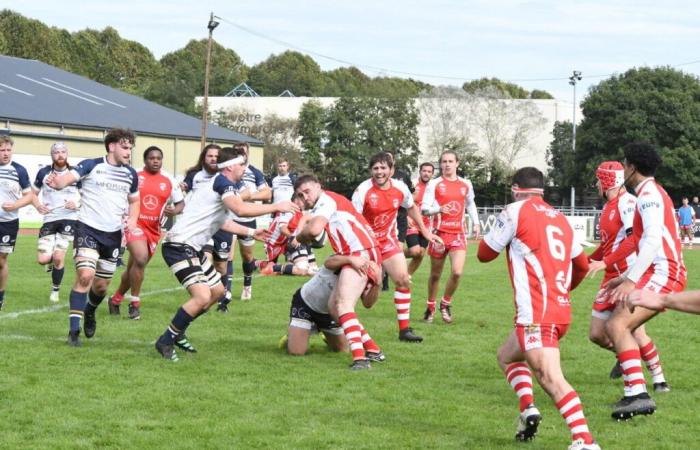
445,113
338,141
658,105
537,94
182,75
289,70
560,158
504,89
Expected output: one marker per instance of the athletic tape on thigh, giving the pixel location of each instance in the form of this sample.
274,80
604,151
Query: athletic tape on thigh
105,269
63,241
90,253
86,264
46,244
300,323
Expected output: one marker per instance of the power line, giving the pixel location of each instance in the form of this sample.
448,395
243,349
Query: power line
400,72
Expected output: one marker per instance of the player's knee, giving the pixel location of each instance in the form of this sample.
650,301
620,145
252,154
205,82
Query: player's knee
597,335
403,281
456,274
415,252
434,277
57,261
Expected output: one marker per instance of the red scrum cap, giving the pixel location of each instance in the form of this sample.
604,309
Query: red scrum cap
611,174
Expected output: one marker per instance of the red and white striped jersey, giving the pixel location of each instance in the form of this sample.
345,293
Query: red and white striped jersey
418,194
381,206
347,230
616,219
540,245
277,238
656,230
458,195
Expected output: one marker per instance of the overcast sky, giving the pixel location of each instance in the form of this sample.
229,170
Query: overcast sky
536,43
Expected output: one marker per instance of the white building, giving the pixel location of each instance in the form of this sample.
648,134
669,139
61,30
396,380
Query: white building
439,116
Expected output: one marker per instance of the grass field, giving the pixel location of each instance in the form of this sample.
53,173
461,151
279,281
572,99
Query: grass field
241,391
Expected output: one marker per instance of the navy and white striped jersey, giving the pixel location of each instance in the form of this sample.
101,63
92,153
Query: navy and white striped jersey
106,190
253,180
55,199
14,183
204,213
193,180
283,187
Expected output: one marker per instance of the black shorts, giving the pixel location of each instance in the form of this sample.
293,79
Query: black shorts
301,316
416,239
65,227
8,236
244,239
221,248
96,244
402,224
189,265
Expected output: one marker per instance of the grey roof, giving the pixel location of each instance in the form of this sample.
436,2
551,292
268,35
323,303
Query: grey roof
35,92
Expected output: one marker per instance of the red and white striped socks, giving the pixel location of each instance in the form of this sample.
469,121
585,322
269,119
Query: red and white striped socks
520,378
653,363
630,361
353,333
402,302
367,341
571,410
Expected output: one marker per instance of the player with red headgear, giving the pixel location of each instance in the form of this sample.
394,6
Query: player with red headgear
615,225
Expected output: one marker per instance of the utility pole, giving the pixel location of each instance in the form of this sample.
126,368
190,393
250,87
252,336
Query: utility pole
573,79
205,103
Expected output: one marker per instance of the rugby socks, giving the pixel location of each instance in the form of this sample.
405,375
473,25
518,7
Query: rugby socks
177,327
248,269
446,301
367,341
520,378
571,410
631,363
402,302
76,306
94,301
353,333
431,304
653,363
284,269
135,301
229,276
117,298
2,298
57,277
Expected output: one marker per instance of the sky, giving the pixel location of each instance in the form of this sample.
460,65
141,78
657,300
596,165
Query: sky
536,44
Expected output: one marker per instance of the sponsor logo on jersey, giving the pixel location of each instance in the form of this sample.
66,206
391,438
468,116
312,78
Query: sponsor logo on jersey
395,202
162,186
442,188
150,202
649,204
463,191
373,200
612,214
453,207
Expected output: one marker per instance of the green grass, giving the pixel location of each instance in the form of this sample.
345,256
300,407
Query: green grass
241,391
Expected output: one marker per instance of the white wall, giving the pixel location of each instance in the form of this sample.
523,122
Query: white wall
258,108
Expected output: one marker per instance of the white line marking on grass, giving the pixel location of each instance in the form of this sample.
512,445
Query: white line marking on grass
14,315
52,308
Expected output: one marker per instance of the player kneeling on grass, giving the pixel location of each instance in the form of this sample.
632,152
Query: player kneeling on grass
204,214
541,251
310,307
282,240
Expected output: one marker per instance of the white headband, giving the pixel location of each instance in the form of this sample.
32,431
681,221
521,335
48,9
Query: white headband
517,190
230,162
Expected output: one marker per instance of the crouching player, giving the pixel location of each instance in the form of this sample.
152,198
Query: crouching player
541,250
310,308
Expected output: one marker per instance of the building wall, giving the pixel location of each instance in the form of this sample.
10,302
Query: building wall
178,153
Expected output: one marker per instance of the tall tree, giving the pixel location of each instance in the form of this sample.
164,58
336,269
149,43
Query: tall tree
560,158
659,105
181,77
289,70
345,135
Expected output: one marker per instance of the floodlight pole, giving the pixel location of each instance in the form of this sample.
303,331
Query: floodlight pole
205,103
573,79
